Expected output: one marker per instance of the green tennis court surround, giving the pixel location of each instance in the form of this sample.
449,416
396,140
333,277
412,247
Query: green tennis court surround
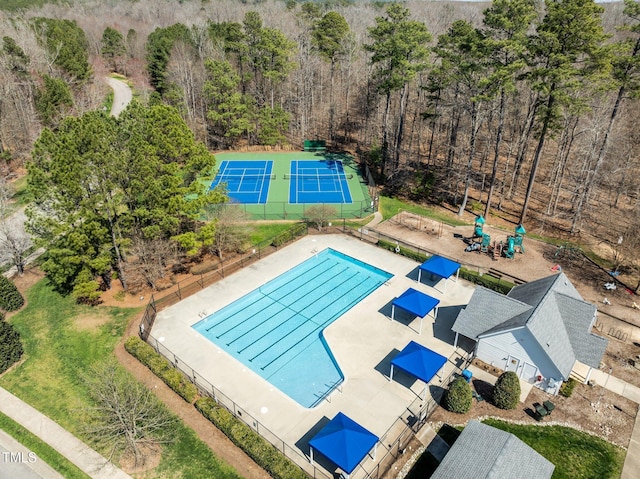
270,199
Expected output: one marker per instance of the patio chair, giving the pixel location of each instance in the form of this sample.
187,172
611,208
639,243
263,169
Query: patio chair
477,396
540,411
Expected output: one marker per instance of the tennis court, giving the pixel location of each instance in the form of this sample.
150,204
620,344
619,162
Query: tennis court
318,182
247,181
284,185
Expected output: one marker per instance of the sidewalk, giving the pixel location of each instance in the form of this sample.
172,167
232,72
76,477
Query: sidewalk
88,460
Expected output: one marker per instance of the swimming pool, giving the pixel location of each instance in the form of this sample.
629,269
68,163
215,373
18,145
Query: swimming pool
276,330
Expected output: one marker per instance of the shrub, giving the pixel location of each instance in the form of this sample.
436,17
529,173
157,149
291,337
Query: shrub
458,397
409,253
501,286
567,387
10,297
10,345
506,393
256,447
161,367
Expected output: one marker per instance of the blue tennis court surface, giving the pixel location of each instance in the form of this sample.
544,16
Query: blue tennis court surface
276,330
247,181
318,182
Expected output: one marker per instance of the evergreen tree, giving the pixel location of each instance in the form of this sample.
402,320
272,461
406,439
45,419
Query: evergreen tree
506,25
10,345
567,50
159,45
329,37
99,182
18,59
398,51
229,113
113,48
67,46
625,76
53,100
10,297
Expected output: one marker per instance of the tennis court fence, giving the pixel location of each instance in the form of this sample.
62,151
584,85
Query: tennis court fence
306,176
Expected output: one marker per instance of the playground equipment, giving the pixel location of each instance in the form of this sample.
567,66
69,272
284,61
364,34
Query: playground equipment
484,246
520,232
477,230
510,249
514,242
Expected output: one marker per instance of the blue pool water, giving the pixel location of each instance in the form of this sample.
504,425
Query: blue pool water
276,330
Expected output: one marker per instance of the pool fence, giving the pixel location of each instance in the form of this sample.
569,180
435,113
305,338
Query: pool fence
392,444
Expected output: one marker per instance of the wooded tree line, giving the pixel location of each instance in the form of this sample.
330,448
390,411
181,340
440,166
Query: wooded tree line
518,108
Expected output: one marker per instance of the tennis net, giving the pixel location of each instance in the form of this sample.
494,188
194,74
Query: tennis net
225,178
337,177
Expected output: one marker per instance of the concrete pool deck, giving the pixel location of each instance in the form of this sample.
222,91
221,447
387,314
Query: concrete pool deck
363,341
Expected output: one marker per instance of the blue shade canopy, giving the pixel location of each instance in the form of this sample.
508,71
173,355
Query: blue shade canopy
344,442
440,266
416,302
419,361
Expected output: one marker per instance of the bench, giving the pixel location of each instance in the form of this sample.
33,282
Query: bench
494,273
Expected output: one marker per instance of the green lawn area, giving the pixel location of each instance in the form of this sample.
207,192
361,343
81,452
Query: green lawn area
390,207
575,454
62,340
43,451
260,232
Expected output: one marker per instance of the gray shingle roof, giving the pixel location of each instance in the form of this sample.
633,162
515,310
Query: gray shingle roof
488,310
484,452
578,317
551,308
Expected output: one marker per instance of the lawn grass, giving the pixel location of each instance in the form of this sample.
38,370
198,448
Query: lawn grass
390,207
43,451
58,351
265,231
574,453
62,340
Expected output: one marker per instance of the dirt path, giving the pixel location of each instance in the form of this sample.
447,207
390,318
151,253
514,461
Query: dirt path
220,444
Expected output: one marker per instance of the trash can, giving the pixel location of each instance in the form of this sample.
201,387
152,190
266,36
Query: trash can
467,375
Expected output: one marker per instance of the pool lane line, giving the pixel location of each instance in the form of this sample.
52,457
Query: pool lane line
259,289
289,307
333,300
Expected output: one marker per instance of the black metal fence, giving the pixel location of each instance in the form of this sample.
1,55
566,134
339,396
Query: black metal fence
396,438
392,442
185,288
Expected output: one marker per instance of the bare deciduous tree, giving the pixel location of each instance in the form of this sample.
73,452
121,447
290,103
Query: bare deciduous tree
14,243
231,231
321,214
149,261
127,418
